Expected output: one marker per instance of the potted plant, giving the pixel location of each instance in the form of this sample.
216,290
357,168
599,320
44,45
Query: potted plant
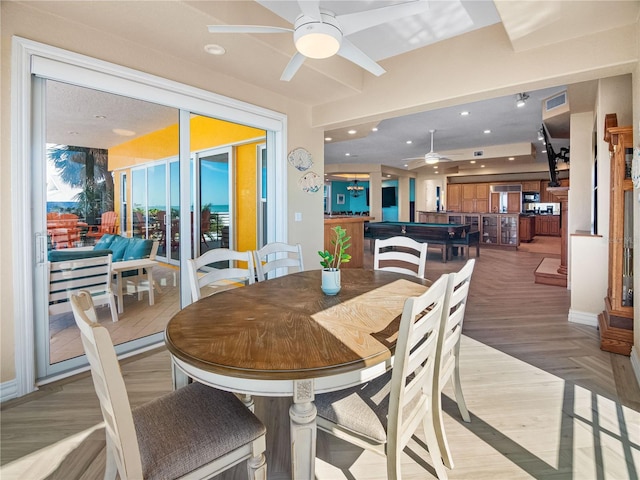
331,261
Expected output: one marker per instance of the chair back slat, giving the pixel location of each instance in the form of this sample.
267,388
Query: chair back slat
401,255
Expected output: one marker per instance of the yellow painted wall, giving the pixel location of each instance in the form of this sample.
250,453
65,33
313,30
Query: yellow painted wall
246,197
206,133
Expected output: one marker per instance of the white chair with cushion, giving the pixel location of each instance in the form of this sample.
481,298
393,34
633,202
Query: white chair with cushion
383,414
403,254
219,278
448,358
277,255
193,432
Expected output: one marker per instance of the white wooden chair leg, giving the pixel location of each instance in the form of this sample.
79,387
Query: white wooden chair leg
257,467
111,468
434,449
247,400
457,388
440,435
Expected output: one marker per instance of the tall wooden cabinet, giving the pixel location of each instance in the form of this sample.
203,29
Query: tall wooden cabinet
475,197
616,322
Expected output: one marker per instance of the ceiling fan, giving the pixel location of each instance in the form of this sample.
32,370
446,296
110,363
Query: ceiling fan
432,157
319,33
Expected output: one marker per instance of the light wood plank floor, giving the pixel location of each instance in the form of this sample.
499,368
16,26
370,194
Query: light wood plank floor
545,401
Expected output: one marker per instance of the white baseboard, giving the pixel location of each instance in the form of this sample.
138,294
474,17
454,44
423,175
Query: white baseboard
584,318
8,390
635,362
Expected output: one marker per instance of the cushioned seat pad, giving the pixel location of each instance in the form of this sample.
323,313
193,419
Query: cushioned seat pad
190,427
361,409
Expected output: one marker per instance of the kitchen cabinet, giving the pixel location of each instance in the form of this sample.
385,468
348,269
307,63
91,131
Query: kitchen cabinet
547,225
475,197
514,202
532,186
616,321
465,218
432,217
527,228
454,197
500,230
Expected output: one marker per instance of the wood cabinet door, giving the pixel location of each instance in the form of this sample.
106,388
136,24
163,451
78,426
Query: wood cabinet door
468,191
513,202
468,205
482,191
495,202
482,205
533,186
554,226
454,198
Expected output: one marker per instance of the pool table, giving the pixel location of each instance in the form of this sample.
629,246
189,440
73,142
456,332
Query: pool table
435,234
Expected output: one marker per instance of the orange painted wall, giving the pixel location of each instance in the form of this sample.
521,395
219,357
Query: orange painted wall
205,133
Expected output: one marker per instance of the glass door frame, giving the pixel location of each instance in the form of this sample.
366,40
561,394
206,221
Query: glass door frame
31,58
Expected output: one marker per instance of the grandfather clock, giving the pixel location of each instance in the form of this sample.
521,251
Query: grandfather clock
616,322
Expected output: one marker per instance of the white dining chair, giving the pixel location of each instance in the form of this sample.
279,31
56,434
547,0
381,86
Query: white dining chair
277,255
404,255
203,273
192,432
383,414
448,357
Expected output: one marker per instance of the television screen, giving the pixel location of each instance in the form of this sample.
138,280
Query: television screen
388,197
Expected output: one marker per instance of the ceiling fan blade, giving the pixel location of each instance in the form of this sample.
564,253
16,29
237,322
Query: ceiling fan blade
246,29
292,67
310,8
354,22
349,51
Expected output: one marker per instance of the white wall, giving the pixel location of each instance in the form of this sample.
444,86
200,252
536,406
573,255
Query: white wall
426,192
581,172
589,277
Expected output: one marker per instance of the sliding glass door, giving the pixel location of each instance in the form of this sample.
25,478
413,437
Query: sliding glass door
143,124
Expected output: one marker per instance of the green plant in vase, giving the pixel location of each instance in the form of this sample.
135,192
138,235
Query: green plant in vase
331,261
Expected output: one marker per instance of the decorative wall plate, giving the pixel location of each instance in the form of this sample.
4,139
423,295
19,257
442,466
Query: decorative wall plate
300,158
310,182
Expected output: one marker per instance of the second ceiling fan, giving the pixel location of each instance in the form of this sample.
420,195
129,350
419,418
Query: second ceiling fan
319,33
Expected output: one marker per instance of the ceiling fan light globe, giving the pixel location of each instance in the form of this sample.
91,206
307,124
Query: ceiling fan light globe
431,160
317,40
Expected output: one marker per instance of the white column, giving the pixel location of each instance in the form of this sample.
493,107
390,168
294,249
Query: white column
403,199
375,195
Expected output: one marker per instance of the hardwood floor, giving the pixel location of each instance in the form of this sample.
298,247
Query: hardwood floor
545,401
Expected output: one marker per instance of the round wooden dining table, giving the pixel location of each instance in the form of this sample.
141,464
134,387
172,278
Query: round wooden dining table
285,337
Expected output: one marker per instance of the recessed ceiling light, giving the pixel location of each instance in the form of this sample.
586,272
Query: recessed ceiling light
435,166
352,132
473,161
512,158
123,133
465,113
374,129
487,131
214,49
481,166
347,154
99,116
406,165
327,139
544,151
409,142
388,176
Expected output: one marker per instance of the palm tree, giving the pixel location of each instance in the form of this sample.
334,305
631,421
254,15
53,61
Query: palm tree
86,168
